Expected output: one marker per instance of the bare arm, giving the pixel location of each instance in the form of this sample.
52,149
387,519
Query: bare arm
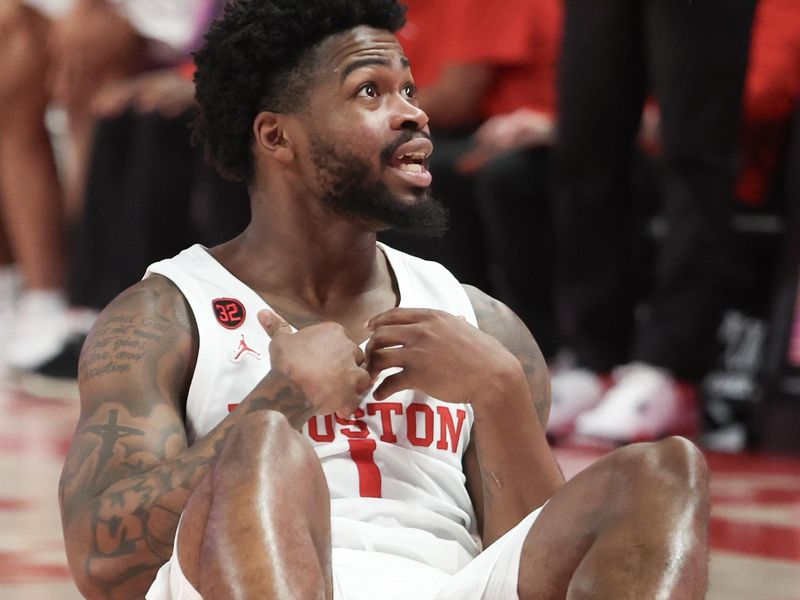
509,466
129,471
499,370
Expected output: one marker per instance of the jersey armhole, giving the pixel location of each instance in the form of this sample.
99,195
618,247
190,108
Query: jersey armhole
202,382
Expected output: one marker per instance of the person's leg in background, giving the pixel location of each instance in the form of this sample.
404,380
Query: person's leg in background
30,194
93,45
513,199
149,194
698,56
9,287
155,191
601,93
136,211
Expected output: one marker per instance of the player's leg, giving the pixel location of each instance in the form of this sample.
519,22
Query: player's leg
633,525
259,524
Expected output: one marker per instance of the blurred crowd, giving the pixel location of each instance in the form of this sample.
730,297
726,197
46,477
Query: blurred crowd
622,173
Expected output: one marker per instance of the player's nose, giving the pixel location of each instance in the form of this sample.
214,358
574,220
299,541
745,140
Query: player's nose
407,114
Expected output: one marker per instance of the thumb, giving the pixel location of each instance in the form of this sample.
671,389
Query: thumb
273,323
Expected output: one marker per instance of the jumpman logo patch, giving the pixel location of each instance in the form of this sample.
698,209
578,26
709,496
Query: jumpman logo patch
242,349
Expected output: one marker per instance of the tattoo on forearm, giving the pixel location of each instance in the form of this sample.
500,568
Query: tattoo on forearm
289,401
131,523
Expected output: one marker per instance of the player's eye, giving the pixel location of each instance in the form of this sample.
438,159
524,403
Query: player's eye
368,90
410,90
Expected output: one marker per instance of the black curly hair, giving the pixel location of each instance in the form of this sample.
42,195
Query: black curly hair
258,56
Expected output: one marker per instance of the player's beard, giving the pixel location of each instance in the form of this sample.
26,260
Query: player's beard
351,191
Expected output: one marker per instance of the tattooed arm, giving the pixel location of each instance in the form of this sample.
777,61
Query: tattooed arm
509,466
129,472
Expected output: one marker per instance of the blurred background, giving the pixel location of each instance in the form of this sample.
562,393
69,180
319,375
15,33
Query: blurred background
624,174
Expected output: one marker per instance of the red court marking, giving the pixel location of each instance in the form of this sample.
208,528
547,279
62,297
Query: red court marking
766,541
61,446
759,496
15,504
16,569
25,403
753,464
12,444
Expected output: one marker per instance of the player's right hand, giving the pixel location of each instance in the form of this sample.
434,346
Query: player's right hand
323,362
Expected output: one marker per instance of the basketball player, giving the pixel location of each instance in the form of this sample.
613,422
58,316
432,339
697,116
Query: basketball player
304,413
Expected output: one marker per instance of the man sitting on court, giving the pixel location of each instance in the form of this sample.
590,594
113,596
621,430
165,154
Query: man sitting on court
302,412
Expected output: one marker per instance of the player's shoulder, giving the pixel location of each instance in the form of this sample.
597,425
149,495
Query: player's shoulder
147,325
156,297
499,321
493,316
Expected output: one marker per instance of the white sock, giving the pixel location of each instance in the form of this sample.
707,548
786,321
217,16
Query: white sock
42,301
9,283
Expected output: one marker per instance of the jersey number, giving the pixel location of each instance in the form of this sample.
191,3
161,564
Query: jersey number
230,312
362,451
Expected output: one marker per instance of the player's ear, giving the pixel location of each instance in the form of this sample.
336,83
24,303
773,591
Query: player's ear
272,137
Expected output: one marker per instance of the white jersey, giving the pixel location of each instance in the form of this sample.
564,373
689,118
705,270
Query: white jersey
394,469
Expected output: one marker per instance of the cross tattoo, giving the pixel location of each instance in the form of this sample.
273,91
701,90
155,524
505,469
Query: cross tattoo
110,433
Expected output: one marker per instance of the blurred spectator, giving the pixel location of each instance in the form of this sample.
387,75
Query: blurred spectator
148,193
694,55
68,52
772,91
32,306
509,161
92,45
481,65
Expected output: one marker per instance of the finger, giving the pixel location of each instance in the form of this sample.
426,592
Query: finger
359,355
350,407
389,335
364,383
399,316
391,385
273,324
386,358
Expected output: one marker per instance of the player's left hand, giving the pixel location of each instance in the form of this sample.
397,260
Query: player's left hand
441,355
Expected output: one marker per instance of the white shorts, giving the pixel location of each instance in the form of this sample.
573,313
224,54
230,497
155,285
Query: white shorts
369,575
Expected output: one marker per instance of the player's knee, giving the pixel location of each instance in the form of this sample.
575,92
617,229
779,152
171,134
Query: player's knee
263,438
673,466
683,462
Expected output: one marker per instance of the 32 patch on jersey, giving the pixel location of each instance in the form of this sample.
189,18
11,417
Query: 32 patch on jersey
230,312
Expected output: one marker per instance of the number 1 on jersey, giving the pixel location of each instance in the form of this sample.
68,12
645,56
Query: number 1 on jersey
362,451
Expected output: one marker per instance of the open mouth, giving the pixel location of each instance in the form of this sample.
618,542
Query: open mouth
411,163
411,159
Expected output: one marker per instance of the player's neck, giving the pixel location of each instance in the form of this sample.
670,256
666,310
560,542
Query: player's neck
305,254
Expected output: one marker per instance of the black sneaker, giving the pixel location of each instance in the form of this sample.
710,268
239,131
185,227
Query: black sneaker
57,377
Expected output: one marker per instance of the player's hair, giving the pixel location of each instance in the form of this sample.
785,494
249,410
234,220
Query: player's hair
259,56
